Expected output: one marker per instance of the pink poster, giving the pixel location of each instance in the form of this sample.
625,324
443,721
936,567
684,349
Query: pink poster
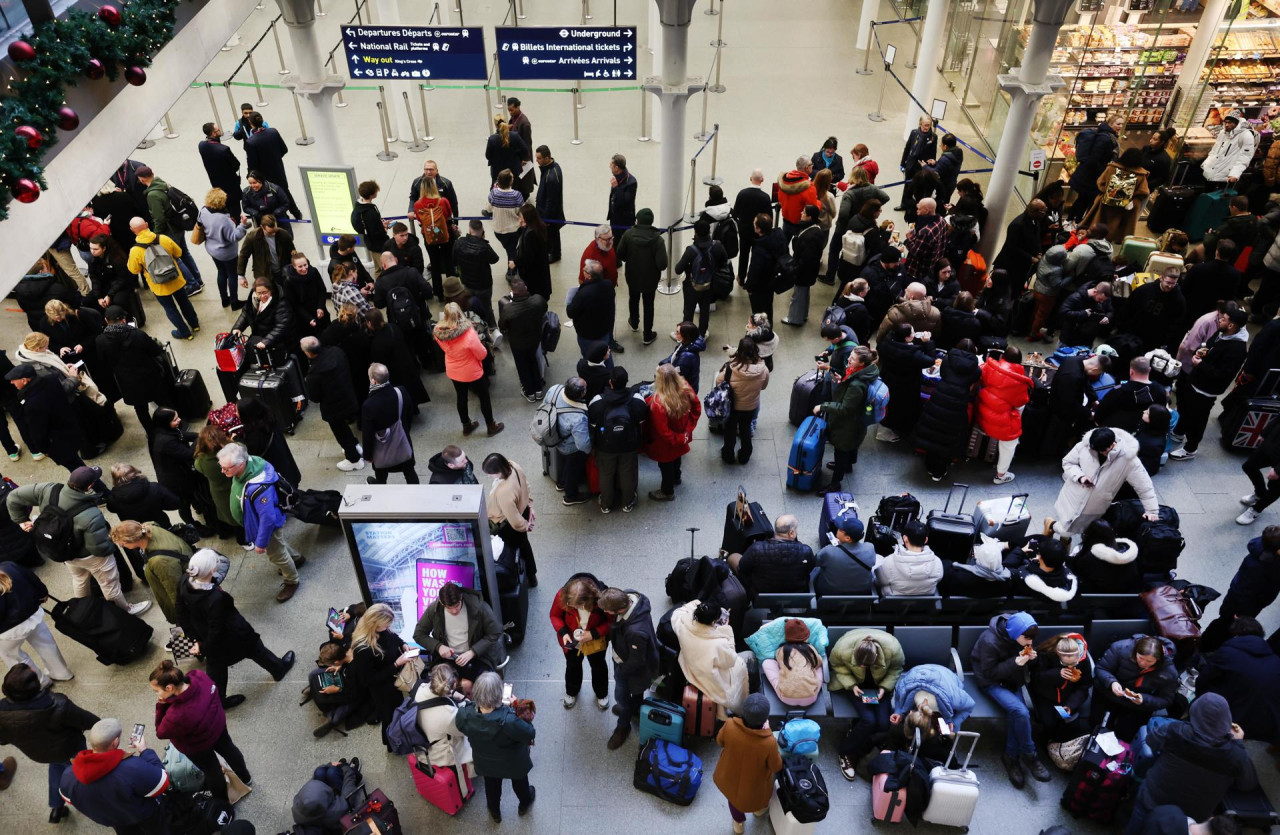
432,575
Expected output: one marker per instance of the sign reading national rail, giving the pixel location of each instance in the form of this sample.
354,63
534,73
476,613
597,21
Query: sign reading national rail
409,52
528,53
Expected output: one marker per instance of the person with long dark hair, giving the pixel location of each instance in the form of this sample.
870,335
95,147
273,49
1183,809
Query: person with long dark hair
510,507
531,253
173,454
748,377
110,280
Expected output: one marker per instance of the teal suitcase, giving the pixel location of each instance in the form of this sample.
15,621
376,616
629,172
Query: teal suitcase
1207,212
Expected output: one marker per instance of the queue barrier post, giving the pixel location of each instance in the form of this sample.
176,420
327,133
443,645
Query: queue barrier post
426,123
302,125
213,105
256,83
386,114
417,145
713,180
169,132
575,140
279,49
644,115
386,155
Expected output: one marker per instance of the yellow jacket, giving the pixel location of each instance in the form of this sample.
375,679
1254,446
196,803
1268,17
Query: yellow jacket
138,262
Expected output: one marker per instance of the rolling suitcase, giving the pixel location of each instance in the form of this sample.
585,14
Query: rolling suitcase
375,814
807,448
1099,783
1136,249
951,535
785,823
1207,212
515,608
1158,262
280,390
836,507
1245,420
1003,519
809,390
114,635
440,786
953,792
661,720
191,396
1169,207
891,806
1250,808
744,523
699,712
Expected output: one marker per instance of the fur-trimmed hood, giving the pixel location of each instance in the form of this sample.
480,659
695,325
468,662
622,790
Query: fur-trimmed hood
1036,583
794,182
1124,552
448,334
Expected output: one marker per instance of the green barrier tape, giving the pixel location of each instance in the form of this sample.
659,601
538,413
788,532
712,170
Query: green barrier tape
445,87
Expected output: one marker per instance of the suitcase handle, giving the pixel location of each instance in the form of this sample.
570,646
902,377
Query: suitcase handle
1009,515
973,745
963,498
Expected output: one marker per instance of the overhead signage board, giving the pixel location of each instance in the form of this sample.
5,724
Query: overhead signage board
414,52
566,53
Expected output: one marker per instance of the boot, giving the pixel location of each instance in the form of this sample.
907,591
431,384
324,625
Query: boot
1013,766
1036,767
495,428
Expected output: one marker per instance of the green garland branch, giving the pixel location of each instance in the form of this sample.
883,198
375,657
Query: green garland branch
64,51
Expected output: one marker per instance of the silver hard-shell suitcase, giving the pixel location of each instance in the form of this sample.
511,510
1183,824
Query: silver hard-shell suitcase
1005,519
953,792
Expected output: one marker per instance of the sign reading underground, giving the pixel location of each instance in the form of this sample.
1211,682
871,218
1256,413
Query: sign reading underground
527,53
409,52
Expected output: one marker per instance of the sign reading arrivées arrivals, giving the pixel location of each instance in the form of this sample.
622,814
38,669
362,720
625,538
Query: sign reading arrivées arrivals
527,53
415,52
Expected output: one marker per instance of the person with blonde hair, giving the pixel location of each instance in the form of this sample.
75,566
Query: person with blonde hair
463,358
35,350
674,410
22,622
377,654
867,663
222,236
505,151
435,214
73,335
162,555
1061,678
925,694
447,747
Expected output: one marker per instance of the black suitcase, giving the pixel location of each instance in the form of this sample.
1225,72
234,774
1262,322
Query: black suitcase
808,391
1246,415
745,522
280,389
1170,206
102,426
191,396
951,535
896,511
113,634
1250,808
515,609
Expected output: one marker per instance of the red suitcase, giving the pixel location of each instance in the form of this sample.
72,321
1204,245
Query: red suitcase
699,713
887,806
440,785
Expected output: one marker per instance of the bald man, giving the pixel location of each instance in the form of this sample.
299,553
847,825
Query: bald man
916,309
751,201
1021,251
927,242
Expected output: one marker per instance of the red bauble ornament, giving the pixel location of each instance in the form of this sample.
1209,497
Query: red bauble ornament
110,15
21,51
68,119
26,191
136,76
95,69
30,135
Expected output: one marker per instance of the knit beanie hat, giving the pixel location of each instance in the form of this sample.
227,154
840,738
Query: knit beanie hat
1018,623
795,631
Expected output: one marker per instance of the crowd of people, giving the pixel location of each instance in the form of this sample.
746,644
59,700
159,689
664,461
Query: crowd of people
957,389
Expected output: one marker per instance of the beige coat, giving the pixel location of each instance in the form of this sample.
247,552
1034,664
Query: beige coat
746,383
447,746
1078,505
919,313
509,498
708,659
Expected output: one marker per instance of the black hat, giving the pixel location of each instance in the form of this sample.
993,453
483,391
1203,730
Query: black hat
25,371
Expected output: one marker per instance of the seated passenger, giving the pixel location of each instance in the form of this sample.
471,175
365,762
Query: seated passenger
1133,680
781,564
868,663
1061,678
707,656
320,804
924,696
986,577
848,567
1106,563
336,699
459,627
795,672
1045,571
912,568
1000,658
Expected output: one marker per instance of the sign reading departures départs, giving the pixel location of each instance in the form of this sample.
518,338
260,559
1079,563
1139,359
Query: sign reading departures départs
528,53
415,52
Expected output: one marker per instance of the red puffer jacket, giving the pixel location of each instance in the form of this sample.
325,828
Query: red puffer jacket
669,438
1005,389
566,619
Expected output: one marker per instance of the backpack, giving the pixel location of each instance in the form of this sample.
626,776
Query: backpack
403,733
618,432
834,315
1099,268
693,578
550,332
434,229
785,278
1159,546
1120,188
700,270
897,510
722,281
799,737
84,229
545,426
877,403
160,265
182,209
853,248
801,790
668,771
726,232
403,308
719,401
54,530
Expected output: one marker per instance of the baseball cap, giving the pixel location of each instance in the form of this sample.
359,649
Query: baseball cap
84,477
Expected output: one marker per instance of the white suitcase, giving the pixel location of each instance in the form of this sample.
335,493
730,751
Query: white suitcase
785,823
1005,519
1158,262
953,792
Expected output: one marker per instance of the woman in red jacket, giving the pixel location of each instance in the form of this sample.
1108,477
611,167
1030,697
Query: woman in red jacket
1006,388
463,364
583,629
673,412
189,714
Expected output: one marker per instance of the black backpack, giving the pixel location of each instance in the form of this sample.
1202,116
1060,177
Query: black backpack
785,277
701,268
802,791
182,210
54,531
618,432
1099,268
1159,546
896,511
403,308
726,232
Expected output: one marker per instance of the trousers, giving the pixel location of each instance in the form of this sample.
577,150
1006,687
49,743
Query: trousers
493,792
101,569
345,437
34,633
573,673
258,654
281,554
207,761
619,476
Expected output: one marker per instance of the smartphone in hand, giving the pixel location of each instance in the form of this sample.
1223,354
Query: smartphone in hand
135,738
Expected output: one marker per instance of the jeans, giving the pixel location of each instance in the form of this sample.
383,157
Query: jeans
1193,414
701,301
228,288
619,476
406,469
207,761
635,296
346,439
529,370
180,312
628,703
493,792
574,475
871,719
738,425
573,673
1138,820
258,654
585,345
670,475
481,387
56,771
189,270
1017,720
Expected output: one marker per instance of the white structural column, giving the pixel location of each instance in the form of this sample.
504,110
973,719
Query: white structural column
1026,86
673,93
388,14
925,81
868,14
1198,53
315,87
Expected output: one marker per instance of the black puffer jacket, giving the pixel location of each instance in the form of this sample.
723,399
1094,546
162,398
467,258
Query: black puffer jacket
142,501
776,565
521,320
958,325
1158,686
210,616
475,258
944,420
328,383
137,361
33,291
272,325
173,455
48,729
305,295
1106,569
992,658
592,309
765,251
901,363
635,642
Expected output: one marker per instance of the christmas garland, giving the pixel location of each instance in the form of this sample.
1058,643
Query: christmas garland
55,55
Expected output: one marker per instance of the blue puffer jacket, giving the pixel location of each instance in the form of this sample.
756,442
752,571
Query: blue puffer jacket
954,704
766,640
263,515
685,357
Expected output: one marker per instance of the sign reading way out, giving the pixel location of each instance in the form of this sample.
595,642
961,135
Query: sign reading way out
409,52
528,53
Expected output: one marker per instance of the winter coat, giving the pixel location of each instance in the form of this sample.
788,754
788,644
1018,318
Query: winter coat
1231,153
366,220
836,166
622,201
318,809
484,632
509,499
23,599
1006,389
221,165
447,747
708,659
1197,762
920,146
222,235
328,383
845,569
1078,505
389,346
634,644
919,313
219,486
474,258
521,320
463,351
305,294
1123,406
566,620
172,454
571,423
138,262
264,153
992,658
164,570
669,437
900,367
686,360
1059,585
956,325
1082,317
943,428
844,413
137,361
1219,367
114,789
511,156
108,279
442,473
763,266
644,252
443,185
1107,570
550,197
531,262
1080,256
746,382
886,672
52,428
745,770
1051,275
926,243
795,191
905,573
402,275
776,565
1121,221
1048,687
142,501
1095,148
1246,672
271,199
954,704
410,254
1158,686
766,640
1021,246
500,741
255,247
380,410
1255,584
192,720
592,309
948,168
90,526
48,729
272,324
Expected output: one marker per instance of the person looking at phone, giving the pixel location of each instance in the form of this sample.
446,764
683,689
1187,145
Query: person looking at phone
189,714
867,663
1093,472
329,687
707,656
582,628
1000,661
112,787
459,627
1133,680
1061,678
377,654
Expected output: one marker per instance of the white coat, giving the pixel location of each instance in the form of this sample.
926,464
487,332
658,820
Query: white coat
1077,505
447,746
708,659
1230,154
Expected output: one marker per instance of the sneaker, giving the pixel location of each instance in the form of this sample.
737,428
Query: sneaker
1003,479
1248,517
195,290
195,329
1036,767
649,339
37,456
634,324
739,827
936,477
360,450
176,334
604,508
603,704
630,506
248,546
848,769
532,398
139,608
569,701
1017,776
539,394
616,348
1182,454
887,435
568,502
15,455
1248,501
347,466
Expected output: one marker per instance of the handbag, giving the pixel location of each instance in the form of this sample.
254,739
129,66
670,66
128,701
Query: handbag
236,788
1175,614
410,674
180,644
391,445
1066,755
593,646
197,237
719,401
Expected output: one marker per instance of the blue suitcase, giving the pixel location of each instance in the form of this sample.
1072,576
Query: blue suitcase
1207,213
806,454
835,507
661,720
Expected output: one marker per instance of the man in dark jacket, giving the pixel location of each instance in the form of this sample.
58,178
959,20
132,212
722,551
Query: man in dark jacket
885,282
382,409
1241,227
622,195
1000,658
261,197
635,655
616,419
807,245
1254,587
138,363
451,466
343,251
329,384
701,258
221,165
396,275
1021,250
550,199
406,247
592,308
1122,407
1095,147
481,651
1213,369
1071,400
112,787
520,317
767,246
780,564
645,255
264,152
948,168
596,369
52,426
1246,672
474,257
847,567
269,246
443,185
1155,313
1210,282
1084,314
1197,763
750,201
903,355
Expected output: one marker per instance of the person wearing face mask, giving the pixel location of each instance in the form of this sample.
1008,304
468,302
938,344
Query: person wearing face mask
1093,472
269,321
269,246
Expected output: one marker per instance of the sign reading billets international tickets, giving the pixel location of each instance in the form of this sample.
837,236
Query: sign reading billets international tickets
409,52
527,53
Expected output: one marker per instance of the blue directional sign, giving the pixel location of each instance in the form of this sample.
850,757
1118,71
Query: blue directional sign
409,52
527,53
